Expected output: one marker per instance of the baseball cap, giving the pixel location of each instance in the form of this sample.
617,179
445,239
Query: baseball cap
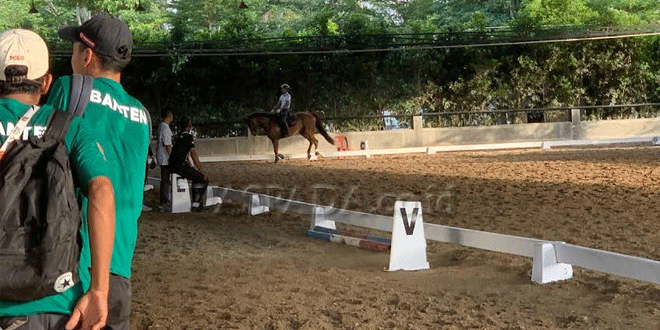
105,34
23,47
285,86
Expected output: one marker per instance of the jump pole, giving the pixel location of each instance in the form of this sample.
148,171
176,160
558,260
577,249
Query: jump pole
374,243
407,247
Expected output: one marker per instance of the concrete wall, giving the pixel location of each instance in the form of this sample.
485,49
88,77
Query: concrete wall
624,128
425,137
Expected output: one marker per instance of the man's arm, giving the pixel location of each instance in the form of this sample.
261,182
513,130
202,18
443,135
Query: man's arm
91,311
278,105
167,142
195,158
88,163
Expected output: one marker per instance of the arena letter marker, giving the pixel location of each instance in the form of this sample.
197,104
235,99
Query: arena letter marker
408,250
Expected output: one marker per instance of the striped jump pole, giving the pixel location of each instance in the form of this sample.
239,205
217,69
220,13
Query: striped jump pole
369,242
407,247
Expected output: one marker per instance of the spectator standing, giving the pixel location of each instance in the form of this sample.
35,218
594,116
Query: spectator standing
163,151
24,78
102,48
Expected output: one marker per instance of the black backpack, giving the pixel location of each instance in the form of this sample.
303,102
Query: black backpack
39,212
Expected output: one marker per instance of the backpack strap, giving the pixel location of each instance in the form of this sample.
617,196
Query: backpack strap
59,124
18,130
81,89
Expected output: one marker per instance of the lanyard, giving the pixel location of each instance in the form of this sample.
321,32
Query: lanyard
18,130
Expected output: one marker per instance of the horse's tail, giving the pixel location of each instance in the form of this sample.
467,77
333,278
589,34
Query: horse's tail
321,129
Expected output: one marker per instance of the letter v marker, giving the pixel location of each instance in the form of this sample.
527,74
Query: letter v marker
408,250
409,226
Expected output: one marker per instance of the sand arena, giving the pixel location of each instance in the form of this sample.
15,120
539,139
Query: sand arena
223,269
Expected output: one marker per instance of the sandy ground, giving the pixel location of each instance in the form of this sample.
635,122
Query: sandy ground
223,269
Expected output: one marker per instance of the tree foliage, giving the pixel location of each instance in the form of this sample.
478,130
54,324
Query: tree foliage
345,84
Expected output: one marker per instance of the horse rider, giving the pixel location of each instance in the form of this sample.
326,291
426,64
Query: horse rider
283,107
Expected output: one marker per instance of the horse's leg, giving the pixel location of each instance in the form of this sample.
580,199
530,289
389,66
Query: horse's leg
275,147
316,145
311,130
309,155
312,141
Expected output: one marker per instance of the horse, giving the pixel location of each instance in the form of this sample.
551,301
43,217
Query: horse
306,124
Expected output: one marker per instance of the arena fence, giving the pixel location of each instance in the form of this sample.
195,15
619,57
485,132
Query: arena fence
552,260
419,138
445,148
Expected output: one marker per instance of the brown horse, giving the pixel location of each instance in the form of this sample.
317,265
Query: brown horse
306,124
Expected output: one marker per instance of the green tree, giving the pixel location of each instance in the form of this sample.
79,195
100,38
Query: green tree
558,12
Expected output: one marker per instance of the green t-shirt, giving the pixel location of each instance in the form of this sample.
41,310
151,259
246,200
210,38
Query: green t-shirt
121,125
87,162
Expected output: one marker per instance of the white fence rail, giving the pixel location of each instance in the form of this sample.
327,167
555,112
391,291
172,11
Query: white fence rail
562,254
436,149
609,262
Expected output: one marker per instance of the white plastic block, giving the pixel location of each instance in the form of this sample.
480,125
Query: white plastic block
408,250
211,199
180,194
319,219
256,207
545,268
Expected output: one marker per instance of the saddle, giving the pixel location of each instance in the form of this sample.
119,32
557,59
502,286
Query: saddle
286,120
290,119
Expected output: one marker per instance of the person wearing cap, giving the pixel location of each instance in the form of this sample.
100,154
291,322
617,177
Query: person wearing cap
24,78
179,163
283,107
102,48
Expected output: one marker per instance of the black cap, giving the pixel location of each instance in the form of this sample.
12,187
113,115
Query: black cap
104,34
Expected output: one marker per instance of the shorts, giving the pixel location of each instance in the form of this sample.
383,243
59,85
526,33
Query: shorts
34,322
119,312
119,303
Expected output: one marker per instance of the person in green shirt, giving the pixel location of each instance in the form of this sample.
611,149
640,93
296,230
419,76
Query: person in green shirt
24,78
101,49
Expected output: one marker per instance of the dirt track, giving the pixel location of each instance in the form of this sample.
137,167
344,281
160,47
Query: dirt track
221,269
